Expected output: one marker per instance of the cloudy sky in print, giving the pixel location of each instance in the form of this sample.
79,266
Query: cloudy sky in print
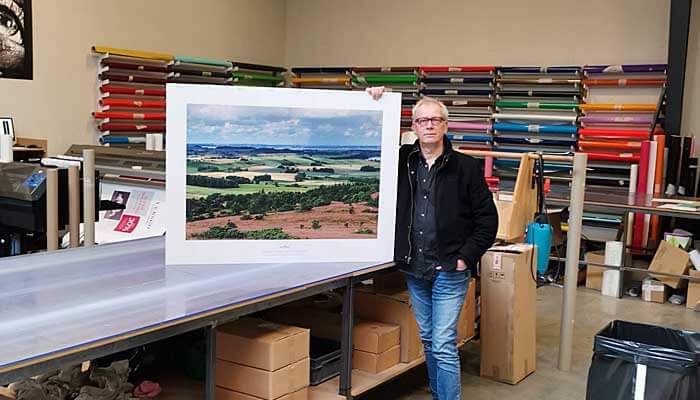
227,124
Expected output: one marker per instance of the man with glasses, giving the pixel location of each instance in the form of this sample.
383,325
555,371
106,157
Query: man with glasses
445,222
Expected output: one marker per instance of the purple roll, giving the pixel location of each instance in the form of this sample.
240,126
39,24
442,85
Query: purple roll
616,69
608,119
470,126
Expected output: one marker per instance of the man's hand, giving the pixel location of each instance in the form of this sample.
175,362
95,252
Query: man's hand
376,92
461,265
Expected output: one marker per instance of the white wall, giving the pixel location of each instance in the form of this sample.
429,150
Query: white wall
57,104
476,32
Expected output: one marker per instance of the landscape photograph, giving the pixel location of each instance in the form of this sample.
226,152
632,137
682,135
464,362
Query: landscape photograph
279,173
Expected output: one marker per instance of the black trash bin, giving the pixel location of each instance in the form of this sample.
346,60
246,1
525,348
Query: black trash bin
634,361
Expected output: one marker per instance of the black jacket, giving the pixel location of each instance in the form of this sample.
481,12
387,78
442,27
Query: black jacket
467,220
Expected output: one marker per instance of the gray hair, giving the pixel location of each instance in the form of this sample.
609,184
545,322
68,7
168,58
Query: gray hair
430,100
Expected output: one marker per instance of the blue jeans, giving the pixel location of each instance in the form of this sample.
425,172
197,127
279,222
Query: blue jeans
437,305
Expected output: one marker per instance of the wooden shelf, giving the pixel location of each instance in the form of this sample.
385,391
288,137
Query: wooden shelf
364,381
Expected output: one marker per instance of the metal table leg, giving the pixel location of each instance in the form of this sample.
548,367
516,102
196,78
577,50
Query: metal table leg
211,362
346,342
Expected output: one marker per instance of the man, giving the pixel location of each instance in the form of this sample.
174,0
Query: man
445,222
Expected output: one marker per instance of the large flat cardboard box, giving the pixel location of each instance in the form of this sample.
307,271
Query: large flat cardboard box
225,394
322,323
260,383
508,313
375,337
694,291
655,291
670,259
376,363
594,275
392,308
261,344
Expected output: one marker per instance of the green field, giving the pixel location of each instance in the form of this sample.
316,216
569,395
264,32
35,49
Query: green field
198,191
269,164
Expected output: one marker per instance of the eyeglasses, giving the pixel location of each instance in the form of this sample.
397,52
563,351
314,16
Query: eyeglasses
424,121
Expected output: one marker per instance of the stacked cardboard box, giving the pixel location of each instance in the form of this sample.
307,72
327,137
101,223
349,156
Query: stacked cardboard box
376,346
257,359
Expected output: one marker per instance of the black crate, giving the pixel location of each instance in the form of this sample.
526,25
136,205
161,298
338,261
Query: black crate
325,360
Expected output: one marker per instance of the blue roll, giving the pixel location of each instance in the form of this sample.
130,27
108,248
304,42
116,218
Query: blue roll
469,138
534,128
109,139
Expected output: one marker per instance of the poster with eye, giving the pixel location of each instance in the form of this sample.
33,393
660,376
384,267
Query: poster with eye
16,39
261,175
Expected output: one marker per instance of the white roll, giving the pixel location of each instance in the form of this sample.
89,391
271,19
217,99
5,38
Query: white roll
158,141
150,141
6,148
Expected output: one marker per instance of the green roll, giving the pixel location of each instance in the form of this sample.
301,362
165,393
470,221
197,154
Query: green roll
385,79
207,61
536,104
252,76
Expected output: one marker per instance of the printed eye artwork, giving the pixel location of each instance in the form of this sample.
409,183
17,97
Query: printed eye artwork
15,39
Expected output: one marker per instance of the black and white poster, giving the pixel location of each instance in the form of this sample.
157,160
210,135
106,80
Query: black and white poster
16,39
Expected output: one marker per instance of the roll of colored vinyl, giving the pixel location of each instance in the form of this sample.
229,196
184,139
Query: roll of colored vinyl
622,82
129,115
132,103
472,126
540,70
110,139
457,80
257,77
537,105
535,117
132,53
200,60
616,69
385,79
613,133
609,145
458,69
507,127
605,119
617,107
134,91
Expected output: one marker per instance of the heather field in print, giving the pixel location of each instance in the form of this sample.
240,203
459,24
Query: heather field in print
282,173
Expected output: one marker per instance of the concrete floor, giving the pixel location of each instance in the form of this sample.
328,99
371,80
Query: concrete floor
593,311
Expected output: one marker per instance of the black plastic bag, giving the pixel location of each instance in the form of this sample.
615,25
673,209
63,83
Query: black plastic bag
668,359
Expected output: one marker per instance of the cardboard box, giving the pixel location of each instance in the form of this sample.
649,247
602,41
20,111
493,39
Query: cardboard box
694,291
465,327
670,259
375,337
467,316
376,363
225,394
393,308
655,291
260,383
261,344
594,275
323,324
508,313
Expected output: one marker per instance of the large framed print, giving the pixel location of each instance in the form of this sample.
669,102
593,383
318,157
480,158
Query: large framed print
269,175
